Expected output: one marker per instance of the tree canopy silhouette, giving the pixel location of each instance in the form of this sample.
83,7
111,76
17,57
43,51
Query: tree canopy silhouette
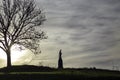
19,25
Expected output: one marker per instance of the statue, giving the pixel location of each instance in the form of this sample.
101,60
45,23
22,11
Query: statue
60,61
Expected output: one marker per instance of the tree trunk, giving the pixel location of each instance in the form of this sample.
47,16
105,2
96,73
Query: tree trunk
8,59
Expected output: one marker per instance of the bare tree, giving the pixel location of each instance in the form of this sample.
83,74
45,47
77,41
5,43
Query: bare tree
19,24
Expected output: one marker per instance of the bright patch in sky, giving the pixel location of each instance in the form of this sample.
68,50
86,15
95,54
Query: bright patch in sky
17,56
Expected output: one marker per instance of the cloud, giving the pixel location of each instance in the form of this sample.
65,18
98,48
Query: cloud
84,29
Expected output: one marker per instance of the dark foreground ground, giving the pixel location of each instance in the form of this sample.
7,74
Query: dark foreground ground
46,73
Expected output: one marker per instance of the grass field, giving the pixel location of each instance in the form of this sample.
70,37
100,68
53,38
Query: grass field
45,73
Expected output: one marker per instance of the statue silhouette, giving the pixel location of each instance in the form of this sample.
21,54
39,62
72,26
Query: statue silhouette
60,61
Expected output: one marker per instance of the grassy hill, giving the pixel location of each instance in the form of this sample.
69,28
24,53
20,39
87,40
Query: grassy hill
47,73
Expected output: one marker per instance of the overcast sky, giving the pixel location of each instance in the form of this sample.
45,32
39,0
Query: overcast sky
87,31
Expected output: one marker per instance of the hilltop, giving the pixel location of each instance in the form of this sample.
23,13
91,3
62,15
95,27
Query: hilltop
46,73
